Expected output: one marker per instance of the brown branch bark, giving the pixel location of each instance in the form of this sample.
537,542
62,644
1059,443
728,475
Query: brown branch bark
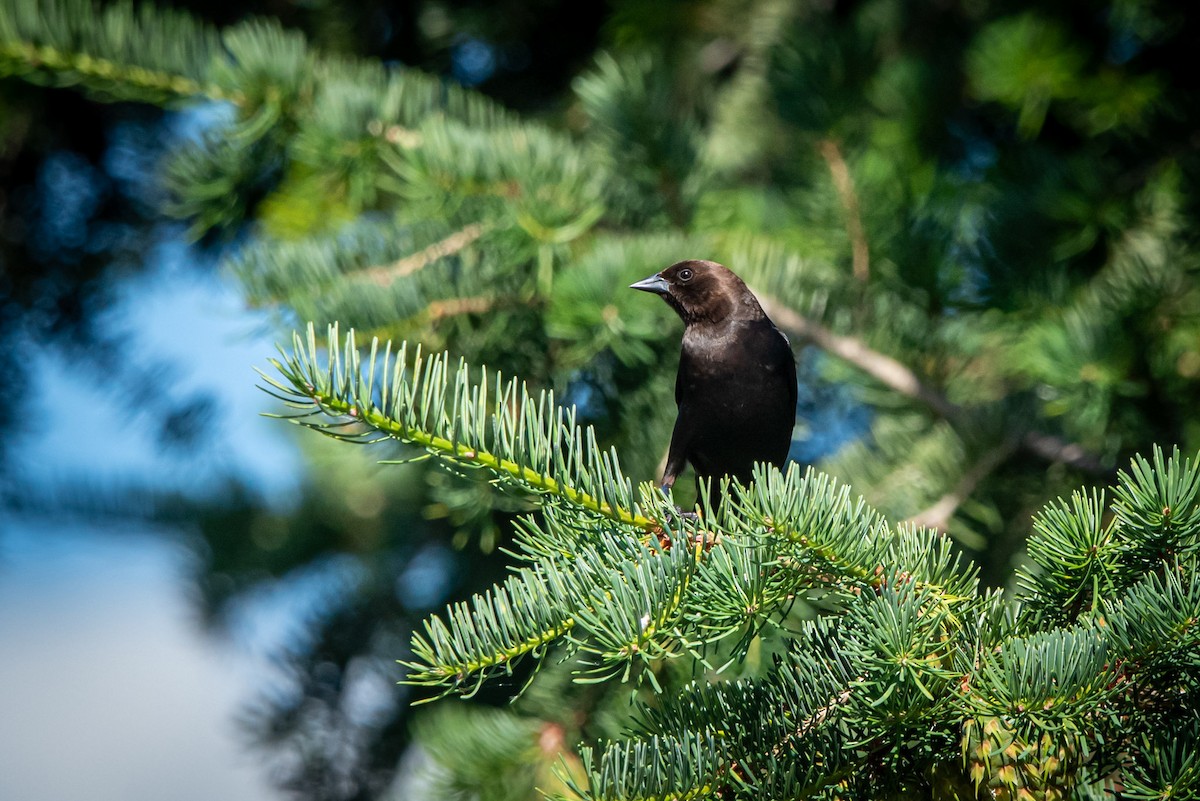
844,184
898,377
879,366
1056,449
439,309
937,515
456,242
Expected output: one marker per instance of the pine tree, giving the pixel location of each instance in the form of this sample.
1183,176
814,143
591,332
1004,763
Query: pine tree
975,216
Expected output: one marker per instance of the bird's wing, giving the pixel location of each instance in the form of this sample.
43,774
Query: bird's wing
791,368
677,455
681,435
683,368
782,353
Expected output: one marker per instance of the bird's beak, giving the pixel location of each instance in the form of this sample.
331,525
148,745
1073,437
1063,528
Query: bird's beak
655,283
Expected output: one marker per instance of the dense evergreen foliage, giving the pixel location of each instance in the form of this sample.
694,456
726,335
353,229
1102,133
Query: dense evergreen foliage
975,220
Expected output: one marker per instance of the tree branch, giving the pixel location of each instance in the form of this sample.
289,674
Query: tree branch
896,376
844,184
1056,449
456,242
881,367
938,514
439,309
423,402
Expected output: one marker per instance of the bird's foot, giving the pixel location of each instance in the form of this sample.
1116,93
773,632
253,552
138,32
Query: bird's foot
674,518
678,512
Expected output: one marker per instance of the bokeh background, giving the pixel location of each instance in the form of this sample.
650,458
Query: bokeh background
199,602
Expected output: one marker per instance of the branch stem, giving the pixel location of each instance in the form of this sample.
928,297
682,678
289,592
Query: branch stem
94,67
898,377
937,515
385,274
888,371
459,452
839,171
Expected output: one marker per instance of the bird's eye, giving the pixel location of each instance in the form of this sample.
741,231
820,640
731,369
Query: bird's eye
685,275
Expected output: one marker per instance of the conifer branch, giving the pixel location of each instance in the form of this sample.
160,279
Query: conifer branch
454,243
883,368
903,380
910,643
526,442
491,633
118,51
937,515
831,151
133,81
1085,550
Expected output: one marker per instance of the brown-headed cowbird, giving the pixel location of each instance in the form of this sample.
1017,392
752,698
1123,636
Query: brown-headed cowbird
736,387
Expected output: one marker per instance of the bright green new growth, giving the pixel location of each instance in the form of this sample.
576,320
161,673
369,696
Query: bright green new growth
911,673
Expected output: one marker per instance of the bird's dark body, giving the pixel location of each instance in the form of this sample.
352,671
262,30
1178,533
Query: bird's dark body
736,393
736,387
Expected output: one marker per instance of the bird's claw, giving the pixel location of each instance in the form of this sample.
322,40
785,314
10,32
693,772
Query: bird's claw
674,511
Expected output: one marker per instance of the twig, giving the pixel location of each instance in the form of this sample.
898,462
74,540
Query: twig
439,309
896,376
817,718
881,367
937,515
844,184
456,242
1056,449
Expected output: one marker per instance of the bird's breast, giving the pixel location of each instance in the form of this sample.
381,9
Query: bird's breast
736,369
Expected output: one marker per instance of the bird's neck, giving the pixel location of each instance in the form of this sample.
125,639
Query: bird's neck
726,312
716,307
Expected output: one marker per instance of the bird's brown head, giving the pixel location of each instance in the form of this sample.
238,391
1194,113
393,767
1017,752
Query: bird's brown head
702,291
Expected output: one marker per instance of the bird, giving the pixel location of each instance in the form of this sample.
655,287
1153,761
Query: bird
736,385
